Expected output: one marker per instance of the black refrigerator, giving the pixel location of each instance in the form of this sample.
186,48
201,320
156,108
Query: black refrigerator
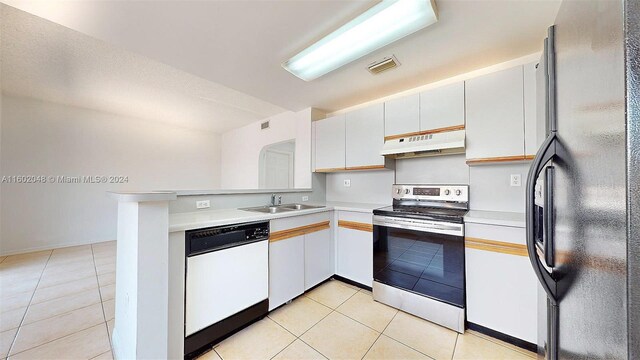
583,208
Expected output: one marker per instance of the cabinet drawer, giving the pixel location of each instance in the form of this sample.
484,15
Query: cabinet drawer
293,222
365,218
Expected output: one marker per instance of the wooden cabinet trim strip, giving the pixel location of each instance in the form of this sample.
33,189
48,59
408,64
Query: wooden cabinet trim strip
425,132
366,167
499,159
352,168
302,230
496,246
326,170
353,225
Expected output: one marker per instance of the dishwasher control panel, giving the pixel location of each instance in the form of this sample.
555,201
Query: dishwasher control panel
223,237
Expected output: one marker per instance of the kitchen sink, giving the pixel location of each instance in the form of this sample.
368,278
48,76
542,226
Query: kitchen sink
280,208
268,209
300,206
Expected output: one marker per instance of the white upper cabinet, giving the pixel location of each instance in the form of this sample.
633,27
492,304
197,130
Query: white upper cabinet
495,115
532,140
330,143
442,107
365,137
402,115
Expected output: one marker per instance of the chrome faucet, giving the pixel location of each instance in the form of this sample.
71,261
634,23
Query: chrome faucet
273,200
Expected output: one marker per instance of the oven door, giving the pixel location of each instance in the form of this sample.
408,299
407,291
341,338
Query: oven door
423,257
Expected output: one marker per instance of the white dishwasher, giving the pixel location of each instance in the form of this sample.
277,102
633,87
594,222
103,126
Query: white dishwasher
227,282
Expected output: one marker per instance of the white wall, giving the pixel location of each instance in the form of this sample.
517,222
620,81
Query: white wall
372,187
240,149
449,169
42,138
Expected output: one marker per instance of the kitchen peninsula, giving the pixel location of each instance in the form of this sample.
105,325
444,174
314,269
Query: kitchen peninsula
150,293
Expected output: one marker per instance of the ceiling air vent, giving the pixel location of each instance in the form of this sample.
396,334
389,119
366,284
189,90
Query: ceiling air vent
264,125
385,64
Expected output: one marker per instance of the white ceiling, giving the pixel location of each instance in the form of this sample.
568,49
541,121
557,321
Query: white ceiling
47,61
241,44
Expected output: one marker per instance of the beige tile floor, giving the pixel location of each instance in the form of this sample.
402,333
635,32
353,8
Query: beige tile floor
339,321
58,304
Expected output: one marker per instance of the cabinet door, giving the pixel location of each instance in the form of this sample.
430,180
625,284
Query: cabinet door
495,115
442,107
330,143
365,136
402,116
286,270
501,288
318,258
355,255
531,126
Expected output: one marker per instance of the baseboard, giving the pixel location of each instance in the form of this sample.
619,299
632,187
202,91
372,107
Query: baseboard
49,247
504,337
351,282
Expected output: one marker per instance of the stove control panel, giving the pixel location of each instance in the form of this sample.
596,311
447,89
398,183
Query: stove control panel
458,193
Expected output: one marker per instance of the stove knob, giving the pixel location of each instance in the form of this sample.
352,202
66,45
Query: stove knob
406,191
447,192
398,191
458,192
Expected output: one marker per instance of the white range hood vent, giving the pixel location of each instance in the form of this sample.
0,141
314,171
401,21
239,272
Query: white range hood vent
443,143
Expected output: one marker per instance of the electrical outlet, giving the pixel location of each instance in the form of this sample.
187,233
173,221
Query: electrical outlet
516,180
305,198
203,204
347,182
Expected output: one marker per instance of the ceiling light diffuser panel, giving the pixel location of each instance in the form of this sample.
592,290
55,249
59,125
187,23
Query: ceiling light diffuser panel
384,23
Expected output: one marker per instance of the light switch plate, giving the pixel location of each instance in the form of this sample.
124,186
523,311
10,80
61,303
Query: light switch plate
516,180
347,182
203,204
305,198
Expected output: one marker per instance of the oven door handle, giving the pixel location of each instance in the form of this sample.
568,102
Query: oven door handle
411,225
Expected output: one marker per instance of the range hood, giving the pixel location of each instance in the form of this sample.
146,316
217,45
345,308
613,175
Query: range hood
442,143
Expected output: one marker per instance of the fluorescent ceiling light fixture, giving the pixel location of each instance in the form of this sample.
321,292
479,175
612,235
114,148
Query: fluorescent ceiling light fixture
386,22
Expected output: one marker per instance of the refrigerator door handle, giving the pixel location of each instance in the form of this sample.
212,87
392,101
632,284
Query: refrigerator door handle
550,65
546,153
548,217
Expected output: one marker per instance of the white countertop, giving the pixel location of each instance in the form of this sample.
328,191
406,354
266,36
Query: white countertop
208,218
502,218
357,207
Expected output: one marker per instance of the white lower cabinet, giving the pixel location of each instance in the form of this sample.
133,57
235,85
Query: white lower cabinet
318,258
354,247
297,263
286,270
501,287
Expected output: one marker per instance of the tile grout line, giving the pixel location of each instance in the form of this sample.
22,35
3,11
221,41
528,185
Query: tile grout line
455,346
48,342
66,294
379,335
63,337
401,342
15,337
100,355
104,316
324,317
